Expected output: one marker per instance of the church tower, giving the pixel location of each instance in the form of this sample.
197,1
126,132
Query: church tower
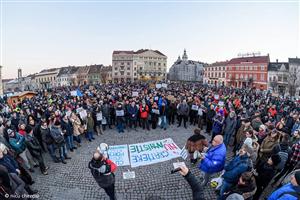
184,57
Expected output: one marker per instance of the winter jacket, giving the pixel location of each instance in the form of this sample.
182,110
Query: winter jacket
241,133
67,127
144,112
33,145
247,191
235,168
266,147
76,126
218,124
214,160
46,137
183,109
90,124
17,143
9,163
195,185
106,110
296,127
230,125
106,179
265,173
281,193
56,134
133,112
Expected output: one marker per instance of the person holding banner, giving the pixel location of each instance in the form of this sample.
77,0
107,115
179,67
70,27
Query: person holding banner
144,112
103,170
120,118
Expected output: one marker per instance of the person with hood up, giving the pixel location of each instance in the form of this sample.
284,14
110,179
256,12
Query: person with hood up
230,126
234,169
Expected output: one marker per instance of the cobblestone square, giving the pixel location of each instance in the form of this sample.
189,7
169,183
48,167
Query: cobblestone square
74,180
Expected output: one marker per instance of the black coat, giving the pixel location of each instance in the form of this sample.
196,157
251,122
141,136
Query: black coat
33,145
197,189
103,181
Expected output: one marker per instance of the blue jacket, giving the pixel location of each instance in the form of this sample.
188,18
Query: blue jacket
17,143
278,194
218,125
296,127
9,163
235,168
214,160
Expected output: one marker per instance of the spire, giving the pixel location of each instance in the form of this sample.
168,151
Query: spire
184,57
179,58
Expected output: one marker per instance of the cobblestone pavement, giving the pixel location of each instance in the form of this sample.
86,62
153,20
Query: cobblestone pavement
74,180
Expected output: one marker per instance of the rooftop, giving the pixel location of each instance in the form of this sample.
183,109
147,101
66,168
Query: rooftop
254,59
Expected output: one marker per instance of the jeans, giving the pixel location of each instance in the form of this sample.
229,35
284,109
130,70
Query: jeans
70,142
89,135
28,160
227,137
120,127
224,188
51,150
62,151
163,122
77,138
110,191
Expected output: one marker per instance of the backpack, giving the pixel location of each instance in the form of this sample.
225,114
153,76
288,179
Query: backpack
284,157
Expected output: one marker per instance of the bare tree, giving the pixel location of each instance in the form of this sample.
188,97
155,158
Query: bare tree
104,76
274,85
293,81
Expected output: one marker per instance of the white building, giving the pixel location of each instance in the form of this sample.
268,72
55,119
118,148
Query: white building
47,78
215,73
67,76
278,73
186,70
144,64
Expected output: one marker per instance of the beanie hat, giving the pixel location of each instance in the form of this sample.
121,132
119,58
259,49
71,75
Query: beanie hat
297,177
275,159
235,196
57,123
28,129
248,142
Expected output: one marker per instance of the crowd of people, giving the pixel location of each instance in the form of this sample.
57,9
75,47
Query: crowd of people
262,131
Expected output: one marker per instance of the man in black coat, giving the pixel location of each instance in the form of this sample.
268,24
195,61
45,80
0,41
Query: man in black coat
35,149
197,189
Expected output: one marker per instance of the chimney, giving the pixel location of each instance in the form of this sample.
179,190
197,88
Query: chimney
277,60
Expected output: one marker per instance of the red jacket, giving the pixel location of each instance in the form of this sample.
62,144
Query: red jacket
273,112
144,114
113,166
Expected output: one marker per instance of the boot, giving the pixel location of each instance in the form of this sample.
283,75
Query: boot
29,190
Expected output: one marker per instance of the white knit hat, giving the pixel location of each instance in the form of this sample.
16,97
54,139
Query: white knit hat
248,142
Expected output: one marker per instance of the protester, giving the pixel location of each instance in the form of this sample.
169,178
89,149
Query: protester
103,171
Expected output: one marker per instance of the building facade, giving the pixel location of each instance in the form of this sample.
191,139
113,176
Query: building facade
82,75
46,79
106,74
215,73
248,72
186,70
278,73
94,74
67,76
144,64
294,76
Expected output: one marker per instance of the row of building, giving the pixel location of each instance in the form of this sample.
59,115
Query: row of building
256,72
59,77
145,64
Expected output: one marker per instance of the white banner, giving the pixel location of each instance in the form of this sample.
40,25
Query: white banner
119,113
153,152
195,107
135,94
164,85
119,154
158,86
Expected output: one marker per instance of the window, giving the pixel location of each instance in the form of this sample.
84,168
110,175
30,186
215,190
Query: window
135,69
128,68
262,77
128,63
122,73
262,68
241,76
159,64
219,74
246,76
128,73
229,76
134,74
254,77
223,75
116,69
246,68
164,64
116,73
150,63
250,68
237,76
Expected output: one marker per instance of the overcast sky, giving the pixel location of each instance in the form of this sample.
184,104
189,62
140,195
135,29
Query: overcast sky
44,35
